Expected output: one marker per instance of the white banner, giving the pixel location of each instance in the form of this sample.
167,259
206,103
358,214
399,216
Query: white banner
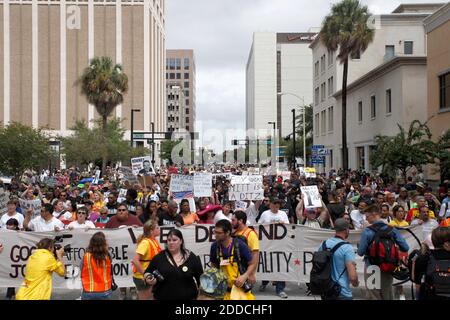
182,186
285,251
128,175
4,198
312,197
202,184
246,188
142,165
240,205
33,204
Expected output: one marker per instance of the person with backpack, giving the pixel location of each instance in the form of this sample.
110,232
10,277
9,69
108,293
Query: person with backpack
380,244
334,266
233,257
248,236
431,268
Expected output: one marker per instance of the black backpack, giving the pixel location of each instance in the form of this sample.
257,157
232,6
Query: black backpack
437,278
321,282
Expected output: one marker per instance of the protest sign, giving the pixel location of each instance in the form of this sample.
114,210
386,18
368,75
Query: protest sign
285,251
35,205
286,175
51,182
240,205
142,165
312,197
4,198
246,188
202,184
308,172
182,186
122,195
128,175
97,177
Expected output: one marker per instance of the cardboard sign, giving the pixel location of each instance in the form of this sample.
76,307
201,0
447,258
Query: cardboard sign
142,166
182,186
4,198
312,197
97,177
128,175
240,205
35,205
202,184
246,188
308,172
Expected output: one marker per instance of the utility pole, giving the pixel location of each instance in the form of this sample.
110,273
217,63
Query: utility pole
293,139
153,144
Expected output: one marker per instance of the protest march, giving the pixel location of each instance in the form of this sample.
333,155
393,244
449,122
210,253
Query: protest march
231,229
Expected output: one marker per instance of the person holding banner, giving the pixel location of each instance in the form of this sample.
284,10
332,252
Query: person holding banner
45,222
147,248
234,258
81,222
37,284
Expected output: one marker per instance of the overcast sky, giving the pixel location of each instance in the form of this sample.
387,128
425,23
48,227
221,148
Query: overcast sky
220,33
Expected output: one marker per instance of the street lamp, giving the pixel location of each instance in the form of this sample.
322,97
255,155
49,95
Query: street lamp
132,124
273,141
304,123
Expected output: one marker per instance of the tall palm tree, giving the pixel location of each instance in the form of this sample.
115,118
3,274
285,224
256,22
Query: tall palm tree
104,85
346,29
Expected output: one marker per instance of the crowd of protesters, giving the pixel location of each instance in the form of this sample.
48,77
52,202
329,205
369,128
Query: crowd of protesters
351,200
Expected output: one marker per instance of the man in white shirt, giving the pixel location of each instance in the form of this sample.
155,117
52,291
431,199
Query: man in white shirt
252,211
359,217
428,224
274,215
81,222
11,214
45,222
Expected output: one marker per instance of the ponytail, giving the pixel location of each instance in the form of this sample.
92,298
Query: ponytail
149,226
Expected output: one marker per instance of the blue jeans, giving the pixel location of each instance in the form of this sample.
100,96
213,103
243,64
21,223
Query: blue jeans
279,285
105,295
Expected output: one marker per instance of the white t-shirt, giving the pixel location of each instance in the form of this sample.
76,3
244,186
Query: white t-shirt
16,216
39,224
252,214
221,216
358,219
427,227
270,217
86,225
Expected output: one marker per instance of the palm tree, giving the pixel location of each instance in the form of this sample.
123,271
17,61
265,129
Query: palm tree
104,85
346,29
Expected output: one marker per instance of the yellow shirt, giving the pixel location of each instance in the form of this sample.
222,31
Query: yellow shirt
396,223
252,238
148,248
38,276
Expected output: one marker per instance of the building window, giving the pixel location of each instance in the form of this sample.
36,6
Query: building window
186,93
330,119
388,101
360,157
316,69
360,111
186,75
444,91
316,96
323,122
186,84
330,86
187,128
322,64
322,91
187,110
356,56
389,52
330,57
331,158
186,63
409,47
167,75
316,124
187,120
172,76
187,102
178,76
178,64
373,107
172,64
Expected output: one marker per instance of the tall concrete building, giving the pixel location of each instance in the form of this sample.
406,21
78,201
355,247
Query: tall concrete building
180,71
45,46
387,86
176,116
278,62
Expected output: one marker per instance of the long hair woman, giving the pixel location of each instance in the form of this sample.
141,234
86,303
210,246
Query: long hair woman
180,268
96,273
147,248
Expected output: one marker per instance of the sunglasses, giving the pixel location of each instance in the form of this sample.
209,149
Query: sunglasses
120,210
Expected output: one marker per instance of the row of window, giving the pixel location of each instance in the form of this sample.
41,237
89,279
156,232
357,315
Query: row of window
322,63
322,129
171,129
172,119
175,64
177,76
323,91
373,106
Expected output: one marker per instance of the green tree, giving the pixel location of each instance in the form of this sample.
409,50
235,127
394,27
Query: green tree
166,149
104,85
442,155
22,148
88,145
346,29
412,148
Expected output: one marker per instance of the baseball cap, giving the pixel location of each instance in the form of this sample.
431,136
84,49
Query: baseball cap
420,185
341,225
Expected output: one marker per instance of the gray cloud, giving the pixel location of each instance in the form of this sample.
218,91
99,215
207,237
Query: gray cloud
220,33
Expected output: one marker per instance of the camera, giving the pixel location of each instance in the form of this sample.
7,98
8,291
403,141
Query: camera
58,245
154,275
246,286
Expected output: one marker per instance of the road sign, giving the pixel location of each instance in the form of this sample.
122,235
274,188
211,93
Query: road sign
323,152
138,136
281,151
318,146
318,159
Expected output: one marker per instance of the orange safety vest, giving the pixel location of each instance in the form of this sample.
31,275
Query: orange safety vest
445,223
94,277
247,232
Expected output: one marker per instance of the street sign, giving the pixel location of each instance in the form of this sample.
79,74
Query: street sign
281,151
318,146
318,159
138,136
323,152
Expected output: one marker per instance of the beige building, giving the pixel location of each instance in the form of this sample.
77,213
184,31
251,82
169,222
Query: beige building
180,71
176,116
45,45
